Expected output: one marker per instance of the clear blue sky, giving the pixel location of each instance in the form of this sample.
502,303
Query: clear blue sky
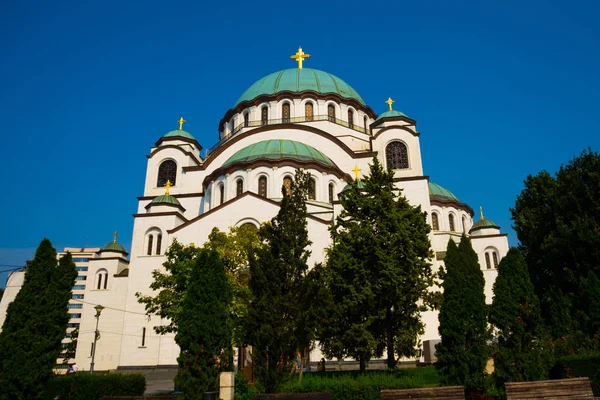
499,90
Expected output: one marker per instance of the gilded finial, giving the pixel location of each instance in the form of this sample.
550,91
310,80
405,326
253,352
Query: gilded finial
181,121
356,170
300,56
481,213
167,186
115,237
390,102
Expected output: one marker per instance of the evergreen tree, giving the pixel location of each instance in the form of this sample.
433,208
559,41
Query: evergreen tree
36,321
463,352
204,329
277,272
516,316
379,272
68,353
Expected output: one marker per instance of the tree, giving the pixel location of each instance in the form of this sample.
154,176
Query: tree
70,350
463,351
277,272
204,327
557,221
30,341
379,272
516,316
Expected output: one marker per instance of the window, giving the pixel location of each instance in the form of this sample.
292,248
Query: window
80,278
158,243
167,172
101,279
487,261
312,189
73,325
143,337
77,296
80,260
221,194
81,268
239,187
264,115
331,113
78,305
78,287
150,242
451,222
246,119
287,185
435,222
331,192
309,111
396,155
464,224
365,123
285,113
495,258
74,316
262,186
350,119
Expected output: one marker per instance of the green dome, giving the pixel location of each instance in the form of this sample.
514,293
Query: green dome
484,223
165,199
112,246
392,113
299,80
361,185
277,149
178,133
437,192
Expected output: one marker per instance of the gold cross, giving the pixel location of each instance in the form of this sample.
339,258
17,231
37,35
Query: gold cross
356,170
167,185
181,121
390,102
481,213
115,237
300,56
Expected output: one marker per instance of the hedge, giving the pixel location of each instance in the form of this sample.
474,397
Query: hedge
579,366
82,386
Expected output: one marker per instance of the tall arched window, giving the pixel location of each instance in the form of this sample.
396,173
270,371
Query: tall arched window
239,187
464,224
495,258
102,279
150,242
158,243
331,113
264,115
312,189
309,111
167,172
365,123
396,155
487,261
221,193
331,192
287,185
246,119
351,119
451,222
262,186
285,113
435,222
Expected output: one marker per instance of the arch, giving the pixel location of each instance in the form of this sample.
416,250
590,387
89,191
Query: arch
287,184
435,222
331,191
158,243
312,189
487,260
246,119
101,279
264,115
350,118
495,259
167,171
491,253
451,225
150,244
154,240
331,112
396,155
285,113
248,221
221,193
309,111
239,187
262,186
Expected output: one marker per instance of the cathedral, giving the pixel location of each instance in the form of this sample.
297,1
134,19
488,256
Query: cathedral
295,118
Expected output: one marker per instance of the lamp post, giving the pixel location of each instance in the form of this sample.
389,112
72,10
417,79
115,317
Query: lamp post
98,309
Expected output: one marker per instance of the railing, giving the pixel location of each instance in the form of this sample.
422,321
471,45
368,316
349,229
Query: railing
278,121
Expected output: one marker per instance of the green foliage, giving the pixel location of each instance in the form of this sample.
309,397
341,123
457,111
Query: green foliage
378,273
579,366
463,352
30,341
82,386
204,327
277,272
242,390
557,221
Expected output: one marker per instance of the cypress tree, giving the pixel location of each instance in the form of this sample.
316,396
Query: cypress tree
463,352
36,321
515,313
204,333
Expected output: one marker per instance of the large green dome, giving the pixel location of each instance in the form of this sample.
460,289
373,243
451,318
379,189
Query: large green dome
438,192
299,80
277,149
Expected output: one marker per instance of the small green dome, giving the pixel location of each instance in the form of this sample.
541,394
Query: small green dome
437,192
392,113
484,223
178,133
277,149
113,246
299,80
361,185
165,199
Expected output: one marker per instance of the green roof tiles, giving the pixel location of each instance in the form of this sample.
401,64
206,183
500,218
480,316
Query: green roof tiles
165,199
438,192
392,113
178,133
484,223
277,149
112,246
299,80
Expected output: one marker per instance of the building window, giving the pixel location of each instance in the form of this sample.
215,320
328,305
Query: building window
74,316
239,187
262,186
81,269
221,193
78,305
312,189
246,119
331,192
167,172
350,119
143,337
495,259
264,115
150,242
101,279
331,113
78,287
464,224
309,111
76,260
77,296
396,155
365,123
285,113
80,278
435,222
73,325
487,261
287,185
451,222
158,243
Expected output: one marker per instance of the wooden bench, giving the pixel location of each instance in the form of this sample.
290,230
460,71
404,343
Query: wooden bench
574,388
292,396
438,393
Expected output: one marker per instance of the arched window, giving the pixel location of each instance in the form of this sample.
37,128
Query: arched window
351,119
487,261
495,258
331,113
435,222
102,279
451,222
309,111
158,243
239,187
150,242
246,119
365,122
464,224
264,115
396,155
285,113
221,194
262,186
312,189
167,172
287,185
331,192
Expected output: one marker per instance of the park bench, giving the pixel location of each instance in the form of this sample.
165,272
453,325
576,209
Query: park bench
437,393
292,396
574,388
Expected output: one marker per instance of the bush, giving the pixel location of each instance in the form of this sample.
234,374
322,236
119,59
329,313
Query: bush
579,365
83,386
243,391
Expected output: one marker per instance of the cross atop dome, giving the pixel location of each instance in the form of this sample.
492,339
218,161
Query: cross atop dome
181,121
390,102
300,56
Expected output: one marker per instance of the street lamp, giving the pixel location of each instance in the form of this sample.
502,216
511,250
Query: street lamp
98,309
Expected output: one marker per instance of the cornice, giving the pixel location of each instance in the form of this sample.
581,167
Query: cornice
402,127
488,236
179,206
172,146
182,195
181,138
412,178
161,214
456,204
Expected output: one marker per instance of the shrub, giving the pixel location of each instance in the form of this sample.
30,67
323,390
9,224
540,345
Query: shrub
83,386
579,365
243,391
